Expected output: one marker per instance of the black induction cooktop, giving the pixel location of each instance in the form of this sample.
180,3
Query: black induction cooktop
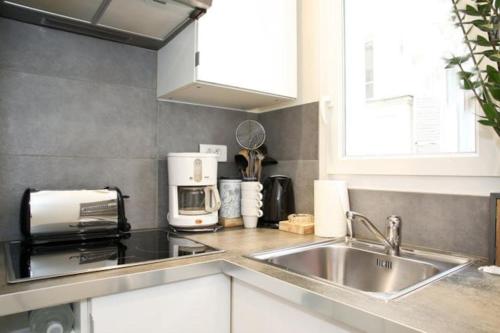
28,262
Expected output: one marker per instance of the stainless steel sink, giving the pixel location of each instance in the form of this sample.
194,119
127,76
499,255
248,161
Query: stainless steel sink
364,266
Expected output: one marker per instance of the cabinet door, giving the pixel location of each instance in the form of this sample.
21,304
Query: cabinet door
250,45
254,310
197,305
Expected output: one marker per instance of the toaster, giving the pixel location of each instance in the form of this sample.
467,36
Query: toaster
71,215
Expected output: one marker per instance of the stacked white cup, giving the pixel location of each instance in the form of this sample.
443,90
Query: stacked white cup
251,202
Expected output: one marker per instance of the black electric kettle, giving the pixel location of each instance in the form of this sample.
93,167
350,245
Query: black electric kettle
278,200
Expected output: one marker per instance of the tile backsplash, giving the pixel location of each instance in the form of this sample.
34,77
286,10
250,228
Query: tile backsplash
458,223
80,112
292,139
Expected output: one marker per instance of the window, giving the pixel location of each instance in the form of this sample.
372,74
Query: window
399,97
389,106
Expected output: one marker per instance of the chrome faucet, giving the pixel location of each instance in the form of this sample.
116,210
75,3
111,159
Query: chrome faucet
391,241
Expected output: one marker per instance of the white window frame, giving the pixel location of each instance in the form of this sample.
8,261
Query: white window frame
485,162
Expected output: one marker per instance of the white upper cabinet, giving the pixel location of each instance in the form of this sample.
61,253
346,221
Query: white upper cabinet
240,54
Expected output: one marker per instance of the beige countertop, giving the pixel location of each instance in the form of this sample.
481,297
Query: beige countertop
466,301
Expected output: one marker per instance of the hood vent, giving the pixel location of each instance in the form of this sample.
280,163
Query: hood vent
145,23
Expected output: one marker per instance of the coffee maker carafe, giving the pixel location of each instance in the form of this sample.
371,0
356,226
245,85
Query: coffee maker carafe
193,198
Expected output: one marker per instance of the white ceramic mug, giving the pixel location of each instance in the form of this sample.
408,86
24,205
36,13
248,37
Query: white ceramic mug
251,203
255,186
249,195
250,222
251,211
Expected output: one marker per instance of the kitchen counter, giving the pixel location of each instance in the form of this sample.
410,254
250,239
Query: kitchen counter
466,301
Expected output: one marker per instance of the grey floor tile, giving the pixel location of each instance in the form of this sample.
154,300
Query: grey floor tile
446,222
43,115
182,127
292,133
303,174
136,178
34,49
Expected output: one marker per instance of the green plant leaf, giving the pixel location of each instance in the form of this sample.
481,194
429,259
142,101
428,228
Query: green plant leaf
482,41
471,11
494,90
493,74
486,122
454,61
490,111
493,55
470,85
482,25
484,8
465,75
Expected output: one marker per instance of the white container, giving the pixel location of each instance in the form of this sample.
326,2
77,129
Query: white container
230,195
250,222
331,202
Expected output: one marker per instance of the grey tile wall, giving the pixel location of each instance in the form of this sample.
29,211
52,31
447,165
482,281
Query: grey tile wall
182,127
80,112
193,125
34,49
292,139
446,222
303,174
292,133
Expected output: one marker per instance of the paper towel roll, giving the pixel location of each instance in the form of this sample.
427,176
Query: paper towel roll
331,201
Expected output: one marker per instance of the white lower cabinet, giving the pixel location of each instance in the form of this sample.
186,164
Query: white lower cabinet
254,310
191,306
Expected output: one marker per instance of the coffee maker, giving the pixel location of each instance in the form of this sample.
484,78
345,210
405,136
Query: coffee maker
193,198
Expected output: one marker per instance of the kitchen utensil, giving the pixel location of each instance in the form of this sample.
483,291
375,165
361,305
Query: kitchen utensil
278,200
260,158
268,160
250,135
242,164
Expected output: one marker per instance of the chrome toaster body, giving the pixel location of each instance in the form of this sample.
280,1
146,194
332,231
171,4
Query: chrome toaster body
58,215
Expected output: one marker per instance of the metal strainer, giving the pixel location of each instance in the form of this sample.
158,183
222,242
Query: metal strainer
250,134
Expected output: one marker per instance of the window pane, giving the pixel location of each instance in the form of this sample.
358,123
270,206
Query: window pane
399,98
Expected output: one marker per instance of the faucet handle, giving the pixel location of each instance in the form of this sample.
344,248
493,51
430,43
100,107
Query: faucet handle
393,229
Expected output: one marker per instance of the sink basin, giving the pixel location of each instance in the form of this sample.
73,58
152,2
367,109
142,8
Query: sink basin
364,266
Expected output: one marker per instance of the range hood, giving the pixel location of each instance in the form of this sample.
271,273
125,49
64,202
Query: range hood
145,23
